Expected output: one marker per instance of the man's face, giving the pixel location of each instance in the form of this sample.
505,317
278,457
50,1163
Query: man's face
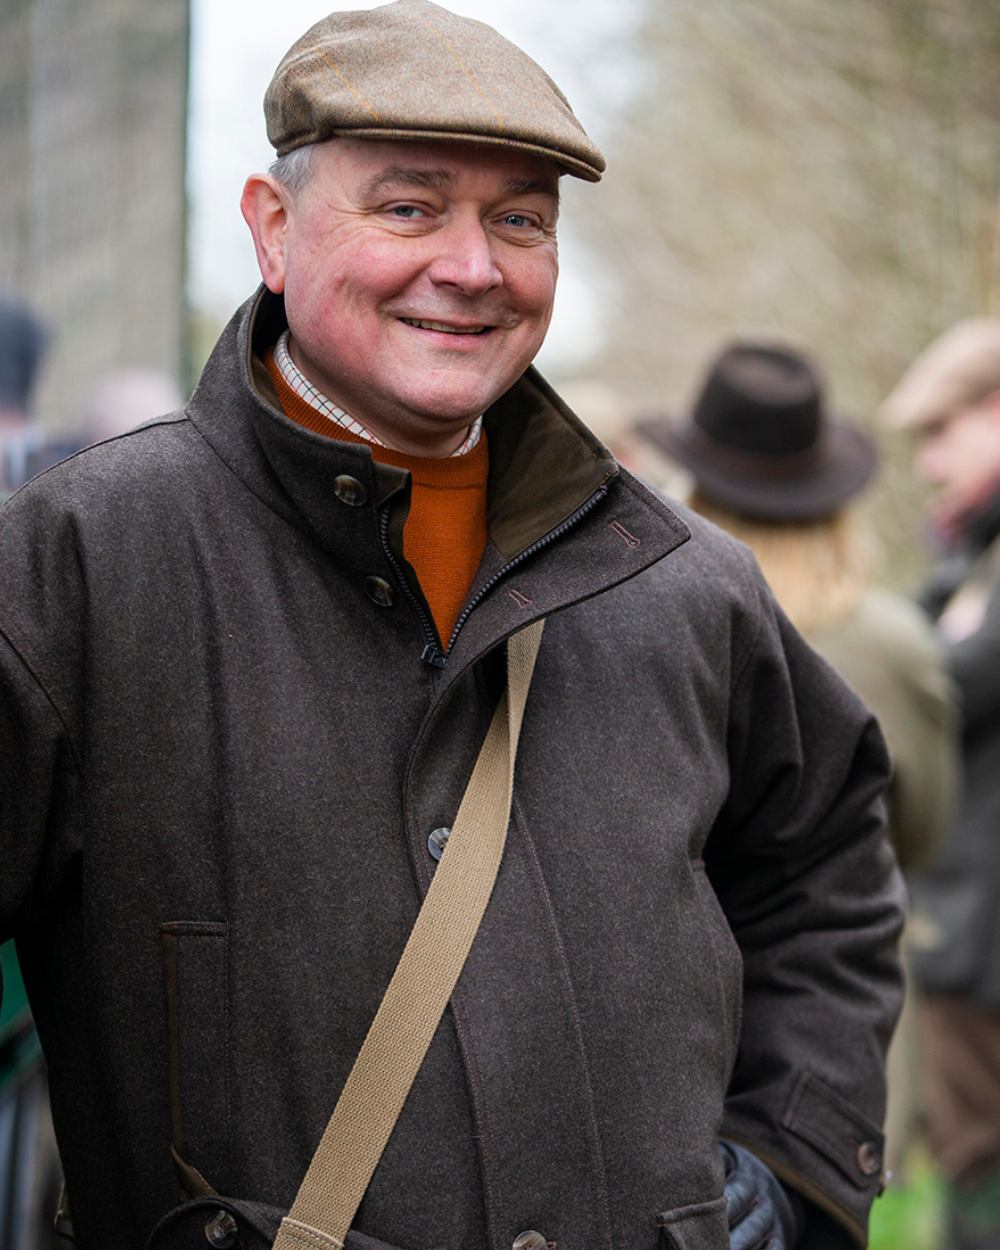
418,281
961,455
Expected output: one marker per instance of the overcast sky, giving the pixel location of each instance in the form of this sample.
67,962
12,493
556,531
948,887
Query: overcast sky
232,62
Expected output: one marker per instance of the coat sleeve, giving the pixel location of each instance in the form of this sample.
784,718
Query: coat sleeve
39,791
810,887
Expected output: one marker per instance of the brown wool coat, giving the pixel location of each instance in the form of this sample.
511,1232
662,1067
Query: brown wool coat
226,759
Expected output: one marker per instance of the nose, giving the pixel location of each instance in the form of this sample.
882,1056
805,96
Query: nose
465,258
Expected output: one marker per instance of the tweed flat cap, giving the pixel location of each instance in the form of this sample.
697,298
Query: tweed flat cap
413,70
960,368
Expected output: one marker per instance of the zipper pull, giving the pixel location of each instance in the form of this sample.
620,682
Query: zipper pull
432,655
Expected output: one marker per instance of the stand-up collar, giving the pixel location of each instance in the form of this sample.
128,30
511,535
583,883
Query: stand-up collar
545,465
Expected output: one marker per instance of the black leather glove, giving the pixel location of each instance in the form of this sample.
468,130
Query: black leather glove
762,1213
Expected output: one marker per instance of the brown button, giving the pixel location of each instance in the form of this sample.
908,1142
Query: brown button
529,1241
349,490
869,1158
379,591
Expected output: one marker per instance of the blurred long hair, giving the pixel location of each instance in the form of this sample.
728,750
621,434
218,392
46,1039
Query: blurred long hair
817,569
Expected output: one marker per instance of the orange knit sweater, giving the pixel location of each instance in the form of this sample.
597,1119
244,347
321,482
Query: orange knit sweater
445,531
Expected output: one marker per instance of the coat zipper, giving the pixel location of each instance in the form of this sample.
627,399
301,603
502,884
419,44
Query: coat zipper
535,547
432,653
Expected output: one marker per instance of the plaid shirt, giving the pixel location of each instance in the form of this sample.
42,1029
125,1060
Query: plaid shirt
302,387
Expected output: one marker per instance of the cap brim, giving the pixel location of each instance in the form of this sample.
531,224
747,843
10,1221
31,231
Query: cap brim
571,164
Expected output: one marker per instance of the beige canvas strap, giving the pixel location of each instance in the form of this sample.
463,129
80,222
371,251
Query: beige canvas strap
422,983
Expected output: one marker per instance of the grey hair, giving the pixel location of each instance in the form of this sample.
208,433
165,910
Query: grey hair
294,169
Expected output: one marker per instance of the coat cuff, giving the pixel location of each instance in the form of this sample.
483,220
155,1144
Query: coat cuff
829,1152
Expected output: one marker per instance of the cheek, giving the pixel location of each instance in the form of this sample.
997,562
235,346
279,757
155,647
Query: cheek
363,285
534,286
320,307
304,286
965,457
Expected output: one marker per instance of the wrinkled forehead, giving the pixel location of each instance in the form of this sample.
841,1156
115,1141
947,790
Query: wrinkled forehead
382,165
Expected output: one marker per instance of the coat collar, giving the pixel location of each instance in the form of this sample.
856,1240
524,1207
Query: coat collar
545,467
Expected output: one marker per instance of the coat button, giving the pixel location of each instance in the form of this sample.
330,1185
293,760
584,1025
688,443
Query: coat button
437,841
869,1158
221,1231
529,1241
349,490
379,591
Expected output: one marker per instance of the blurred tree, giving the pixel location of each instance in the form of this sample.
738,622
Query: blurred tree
826,173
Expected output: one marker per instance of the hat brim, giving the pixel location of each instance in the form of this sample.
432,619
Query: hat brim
760,487
568,163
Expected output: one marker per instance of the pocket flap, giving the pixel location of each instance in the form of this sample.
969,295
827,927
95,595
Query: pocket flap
256,1222
701,1226
837,1129
184,1226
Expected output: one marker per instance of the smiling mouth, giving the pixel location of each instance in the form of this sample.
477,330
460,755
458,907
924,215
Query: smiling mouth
443,326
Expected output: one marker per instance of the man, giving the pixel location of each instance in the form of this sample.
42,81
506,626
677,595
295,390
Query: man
950,400
251,655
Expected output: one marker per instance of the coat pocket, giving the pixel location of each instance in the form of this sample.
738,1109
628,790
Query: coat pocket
196,975
701,1226
837,1129
222,1222
228,1222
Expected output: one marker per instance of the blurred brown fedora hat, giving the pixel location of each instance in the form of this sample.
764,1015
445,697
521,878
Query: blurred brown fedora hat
759,440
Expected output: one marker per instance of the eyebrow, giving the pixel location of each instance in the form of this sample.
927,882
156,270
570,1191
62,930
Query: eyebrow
402,176
532,186
406,176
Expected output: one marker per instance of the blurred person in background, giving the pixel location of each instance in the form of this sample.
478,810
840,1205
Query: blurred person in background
125,398
770,466
121,400
949,402
23,341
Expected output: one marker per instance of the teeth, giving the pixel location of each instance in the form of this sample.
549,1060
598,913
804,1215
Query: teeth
440,325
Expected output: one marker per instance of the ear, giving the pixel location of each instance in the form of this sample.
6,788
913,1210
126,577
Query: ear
265,206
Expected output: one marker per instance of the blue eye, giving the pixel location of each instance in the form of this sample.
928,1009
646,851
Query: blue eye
406,211
517,219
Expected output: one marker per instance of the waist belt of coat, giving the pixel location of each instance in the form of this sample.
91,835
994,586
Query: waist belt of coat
435,952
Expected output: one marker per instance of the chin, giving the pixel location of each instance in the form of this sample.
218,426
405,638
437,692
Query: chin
454,408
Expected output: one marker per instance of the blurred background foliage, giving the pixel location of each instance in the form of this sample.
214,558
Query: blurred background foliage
827,174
